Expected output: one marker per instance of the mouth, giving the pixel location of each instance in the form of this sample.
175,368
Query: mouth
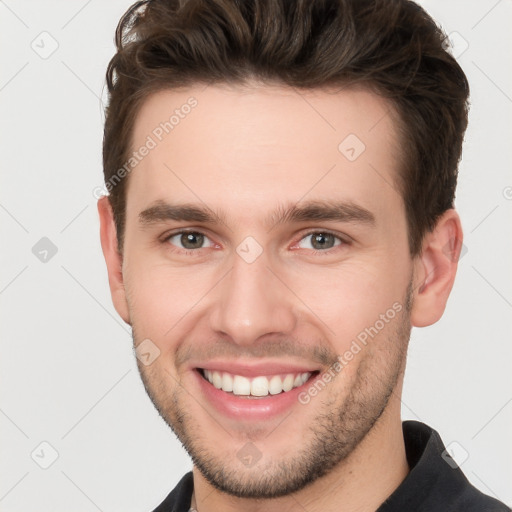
257,387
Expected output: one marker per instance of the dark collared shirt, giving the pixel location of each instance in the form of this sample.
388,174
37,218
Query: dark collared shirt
434,484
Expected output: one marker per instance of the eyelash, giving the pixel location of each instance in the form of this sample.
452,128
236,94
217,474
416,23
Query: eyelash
317,252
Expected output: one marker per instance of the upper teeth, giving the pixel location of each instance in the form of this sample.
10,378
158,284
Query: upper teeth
257,386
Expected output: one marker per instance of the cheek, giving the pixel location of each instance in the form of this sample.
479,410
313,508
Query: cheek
161,297
351,297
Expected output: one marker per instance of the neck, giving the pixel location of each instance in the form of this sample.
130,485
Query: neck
359,483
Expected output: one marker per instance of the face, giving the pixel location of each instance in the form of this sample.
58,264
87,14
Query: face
267,277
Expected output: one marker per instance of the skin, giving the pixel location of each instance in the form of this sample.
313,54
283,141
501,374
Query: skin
245,151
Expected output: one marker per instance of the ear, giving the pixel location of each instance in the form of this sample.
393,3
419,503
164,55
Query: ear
435,269
113,258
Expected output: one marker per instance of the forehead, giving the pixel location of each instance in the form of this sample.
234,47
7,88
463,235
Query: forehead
247,147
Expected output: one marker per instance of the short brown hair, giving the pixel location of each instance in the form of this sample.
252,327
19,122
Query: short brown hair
390,47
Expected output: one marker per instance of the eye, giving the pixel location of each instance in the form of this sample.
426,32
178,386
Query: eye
320,241
189,240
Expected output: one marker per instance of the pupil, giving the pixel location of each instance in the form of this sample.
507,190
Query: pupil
192,240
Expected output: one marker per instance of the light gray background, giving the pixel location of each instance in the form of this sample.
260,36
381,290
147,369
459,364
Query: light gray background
68,374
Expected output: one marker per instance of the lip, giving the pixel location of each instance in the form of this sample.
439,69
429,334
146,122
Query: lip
254,408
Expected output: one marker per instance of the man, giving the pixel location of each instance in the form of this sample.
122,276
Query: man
281,178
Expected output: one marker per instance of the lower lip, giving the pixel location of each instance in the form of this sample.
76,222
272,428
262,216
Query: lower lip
253,408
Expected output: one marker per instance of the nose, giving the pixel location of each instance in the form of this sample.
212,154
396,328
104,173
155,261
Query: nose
251,302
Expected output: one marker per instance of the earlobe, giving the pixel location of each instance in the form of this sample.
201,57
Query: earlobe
113,258
435,269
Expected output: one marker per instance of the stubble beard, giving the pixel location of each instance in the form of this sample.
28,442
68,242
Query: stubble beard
327,441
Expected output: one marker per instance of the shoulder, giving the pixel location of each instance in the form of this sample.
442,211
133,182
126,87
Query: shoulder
178,500
435,482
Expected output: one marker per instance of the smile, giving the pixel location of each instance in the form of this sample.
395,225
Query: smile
258,386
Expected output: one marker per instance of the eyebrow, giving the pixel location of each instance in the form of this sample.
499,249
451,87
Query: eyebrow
325,210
